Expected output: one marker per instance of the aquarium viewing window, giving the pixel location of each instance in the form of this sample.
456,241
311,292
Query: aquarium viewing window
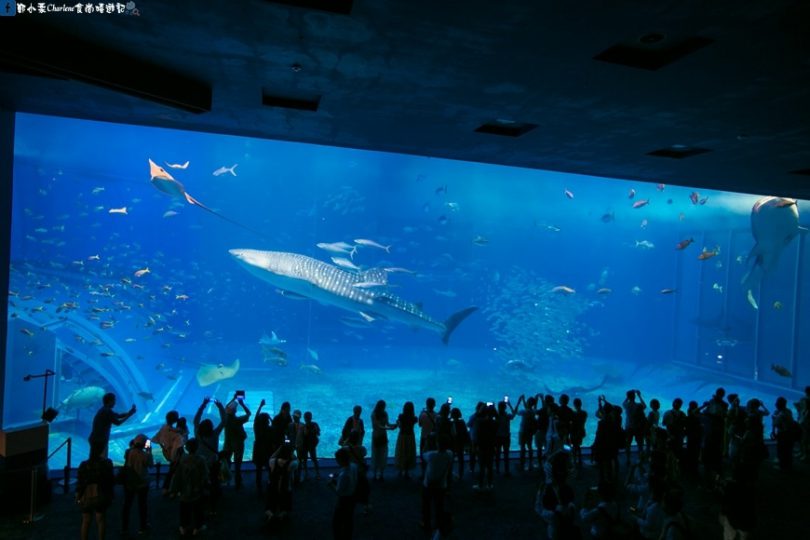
169,266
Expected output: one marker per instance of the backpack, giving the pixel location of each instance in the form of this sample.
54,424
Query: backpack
191,478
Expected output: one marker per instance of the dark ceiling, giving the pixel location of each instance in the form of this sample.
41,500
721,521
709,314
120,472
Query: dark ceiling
711,94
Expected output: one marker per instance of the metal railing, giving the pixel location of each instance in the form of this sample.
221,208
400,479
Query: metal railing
66,478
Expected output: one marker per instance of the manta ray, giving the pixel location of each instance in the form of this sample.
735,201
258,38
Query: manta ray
774,224
164,182
208,374
577,390
334,286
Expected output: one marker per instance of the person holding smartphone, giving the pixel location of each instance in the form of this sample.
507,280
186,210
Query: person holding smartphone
105,419
235,435
208,438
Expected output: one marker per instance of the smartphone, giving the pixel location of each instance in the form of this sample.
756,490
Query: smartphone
148,443
449,399
240,394
331,475
506,399
489,404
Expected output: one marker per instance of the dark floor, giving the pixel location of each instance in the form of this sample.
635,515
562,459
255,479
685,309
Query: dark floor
507,512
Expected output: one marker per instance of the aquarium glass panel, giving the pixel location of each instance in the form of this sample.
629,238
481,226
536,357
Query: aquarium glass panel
169,266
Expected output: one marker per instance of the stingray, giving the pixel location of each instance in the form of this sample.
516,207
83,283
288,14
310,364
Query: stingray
578,390
208,374
164,182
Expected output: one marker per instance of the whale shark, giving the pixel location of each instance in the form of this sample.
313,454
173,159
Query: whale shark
333,286
774,224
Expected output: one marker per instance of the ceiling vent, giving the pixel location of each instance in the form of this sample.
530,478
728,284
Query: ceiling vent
341,7
301,103
652,51
507,128
803,172
678,151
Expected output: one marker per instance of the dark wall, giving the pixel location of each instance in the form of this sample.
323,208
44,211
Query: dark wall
6,167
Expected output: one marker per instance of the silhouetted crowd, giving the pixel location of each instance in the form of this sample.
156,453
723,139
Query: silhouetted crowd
719,443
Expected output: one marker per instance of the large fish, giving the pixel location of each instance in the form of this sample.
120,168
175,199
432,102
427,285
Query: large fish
164,182
774,224
330,285
89,396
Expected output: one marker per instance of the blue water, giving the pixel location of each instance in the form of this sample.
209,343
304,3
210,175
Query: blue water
470,234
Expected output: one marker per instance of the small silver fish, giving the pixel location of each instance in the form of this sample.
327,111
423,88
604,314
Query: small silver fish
368,285
179,166
345,263
371,243
223,170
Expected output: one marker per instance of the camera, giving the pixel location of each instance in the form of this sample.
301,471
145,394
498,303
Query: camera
148,443
490,404
450,399
506,399
240,394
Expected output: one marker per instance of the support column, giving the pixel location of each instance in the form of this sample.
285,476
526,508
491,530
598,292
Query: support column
6,168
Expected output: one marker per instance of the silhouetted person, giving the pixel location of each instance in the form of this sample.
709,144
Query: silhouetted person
105,419
784,434
137,460
353,424
438,468
262,444
344,484
235,436
189,485
94,489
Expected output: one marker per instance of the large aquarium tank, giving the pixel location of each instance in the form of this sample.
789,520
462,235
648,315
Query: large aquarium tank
167,266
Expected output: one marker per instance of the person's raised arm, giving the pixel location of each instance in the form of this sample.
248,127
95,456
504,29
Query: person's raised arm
765,411
641,399
198,415
221,408
119,419
244,408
